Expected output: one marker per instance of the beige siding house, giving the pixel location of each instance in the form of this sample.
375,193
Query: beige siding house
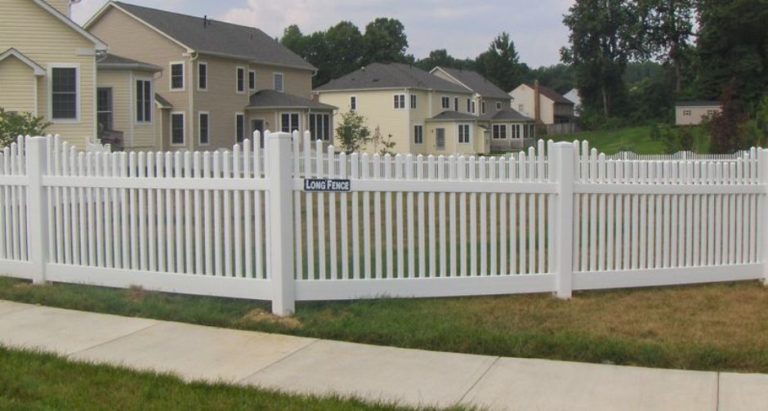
218,82
692,113
48,67
546,106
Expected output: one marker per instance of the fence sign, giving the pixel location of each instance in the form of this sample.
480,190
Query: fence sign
326,185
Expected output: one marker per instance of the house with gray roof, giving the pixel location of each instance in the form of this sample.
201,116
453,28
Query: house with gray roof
425,113
218,82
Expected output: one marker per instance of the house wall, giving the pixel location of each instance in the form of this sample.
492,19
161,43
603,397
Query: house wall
523,101
490,104
17,86
43,38
138,136
696,116
477,140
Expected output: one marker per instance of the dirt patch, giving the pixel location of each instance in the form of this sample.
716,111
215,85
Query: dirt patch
135,294
25,286
258,316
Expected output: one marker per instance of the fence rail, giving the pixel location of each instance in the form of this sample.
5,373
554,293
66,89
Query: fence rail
555,218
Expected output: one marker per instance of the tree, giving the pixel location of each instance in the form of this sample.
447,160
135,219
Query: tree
345,42
500,63
13,125
603,38
441,58
352,132
385,41
727,128
294,40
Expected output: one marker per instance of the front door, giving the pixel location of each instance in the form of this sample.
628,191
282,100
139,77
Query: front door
440,139
258,125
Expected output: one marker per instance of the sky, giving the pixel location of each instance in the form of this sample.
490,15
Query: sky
464,28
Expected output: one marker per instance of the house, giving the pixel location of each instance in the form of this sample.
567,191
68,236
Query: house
691,113
573,96
420,112
509,128
64,74
546,106
218,82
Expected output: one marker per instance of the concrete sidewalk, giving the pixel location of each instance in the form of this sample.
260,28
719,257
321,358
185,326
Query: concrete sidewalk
410,377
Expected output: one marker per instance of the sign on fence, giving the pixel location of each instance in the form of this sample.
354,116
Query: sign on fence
327,185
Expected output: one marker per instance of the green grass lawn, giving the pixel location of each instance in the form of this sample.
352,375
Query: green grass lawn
36,381
636,139
707,327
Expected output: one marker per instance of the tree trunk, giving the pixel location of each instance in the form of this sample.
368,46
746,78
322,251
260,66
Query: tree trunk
605,100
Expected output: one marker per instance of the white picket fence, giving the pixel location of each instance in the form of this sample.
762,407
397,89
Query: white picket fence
239,223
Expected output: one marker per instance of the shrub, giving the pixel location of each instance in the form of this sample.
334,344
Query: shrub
352,132
13,125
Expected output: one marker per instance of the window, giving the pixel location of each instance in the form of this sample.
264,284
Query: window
440,138
469,106
498,105
202,76
399,101
473,107
289,122
64,93
516,131
532,133
177,129
446,102
277,79
455,104
320,126
203,128
177,76
525,131
104,108
239,127
143,101
463,133
520,108
418,134
353,103
686,112
251,80
240,88
413,101
482,107
500,131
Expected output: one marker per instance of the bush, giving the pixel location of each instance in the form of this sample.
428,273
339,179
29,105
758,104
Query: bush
13,125
352,132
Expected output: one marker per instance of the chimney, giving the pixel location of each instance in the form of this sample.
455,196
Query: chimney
205,21
536,102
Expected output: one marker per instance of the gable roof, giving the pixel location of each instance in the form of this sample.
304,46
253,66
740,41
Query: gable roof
100,45
114,62
276,99
36,68
550,94
391,75
506,114
212,37
474,81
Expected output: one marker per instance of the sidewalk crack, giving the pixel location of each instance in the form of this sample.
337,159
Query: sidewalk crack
273,363
478,380
113,339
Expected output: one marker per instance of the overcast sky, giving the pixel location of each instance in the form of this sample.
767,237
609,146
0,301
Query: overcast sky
463,28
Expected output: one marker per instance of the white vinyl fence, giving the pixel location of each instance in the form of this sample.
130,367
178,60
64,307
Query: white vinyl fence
240,223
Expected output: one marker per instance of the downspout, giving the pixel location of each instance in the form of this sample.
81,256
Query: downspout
191,96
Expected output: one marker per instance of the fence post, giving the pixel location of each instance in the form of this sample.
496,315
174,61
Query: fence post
563,163
280,182
762,164
37,207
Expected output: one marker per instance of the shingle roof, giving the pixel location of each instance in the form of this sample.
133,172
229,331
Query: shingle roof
454,115
163,103
391,75
113,62
272,99
506,114
218,38
476,82
551,94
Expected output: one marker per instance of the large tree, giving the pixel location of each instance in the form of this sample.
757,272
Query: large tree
441,58
500,63
385,41
603,39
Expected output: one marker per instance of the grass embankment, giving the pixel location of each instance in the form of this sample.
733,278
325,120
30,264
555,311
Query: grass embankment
635,139
707,327
35,381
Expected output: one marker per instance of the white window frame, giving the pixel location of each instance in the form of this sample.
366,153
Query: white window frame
468,134
482,107
353,103
78,111
282,81
311,123
473,107
443,101
183,75
399,101
498,127
290,113
252,73
421,126
686,112
151,101
238,70
200,114
199,64
413,101
183,115
245,133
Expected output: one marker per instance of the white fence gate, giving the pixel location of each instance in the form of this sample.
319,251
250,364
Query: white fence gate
239,223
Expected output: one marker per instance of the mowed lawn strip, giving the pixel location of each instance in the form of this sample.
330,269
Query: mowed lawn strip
634,139
33,380
707,327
